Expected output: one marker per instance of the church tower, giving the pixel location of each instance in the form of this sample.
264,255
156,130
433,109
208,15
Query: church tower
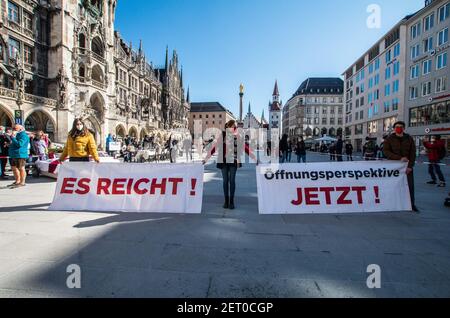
275,110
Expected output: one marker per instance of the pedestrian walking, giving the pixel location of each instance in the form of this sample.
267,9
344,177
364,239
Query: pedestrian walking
339,149
5,141
229,160
109,140
19,153
40,147
80,144
187,148
401,147
380,154
174,151
332,151
300,150
436,152
349,151
284,145
369,149
289,151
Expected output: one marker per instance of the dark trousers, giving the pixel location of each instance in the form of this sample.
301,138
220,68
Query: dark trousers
434,166
229,181
411,188
75,159
339,157
3,163
349,157
301,158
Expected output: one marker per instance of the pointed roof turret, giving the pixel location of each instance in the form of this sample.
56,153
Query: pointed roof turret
275,90
167,58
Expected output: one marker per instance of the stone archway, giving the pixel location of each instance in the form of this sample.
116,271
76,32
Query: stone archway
133,132
39,120
143,134
316,132
94,127
97,103
6,119
121,132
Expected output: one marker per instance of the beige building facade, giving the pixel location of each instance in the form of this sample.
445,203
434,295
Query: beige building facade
315,110
427,80
63,59
210,115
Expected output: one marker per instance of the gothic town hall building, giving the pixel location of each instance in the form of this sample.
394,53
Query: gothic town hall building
61,59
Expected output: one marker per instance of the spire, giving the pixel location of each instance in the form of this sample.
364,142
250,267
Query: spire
262,117
275,90
249,108
140,47
181,76
188,99
167,58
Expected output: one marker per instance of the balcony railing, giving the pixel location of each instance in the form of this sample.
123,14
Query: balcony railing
98,58
9,93
98,84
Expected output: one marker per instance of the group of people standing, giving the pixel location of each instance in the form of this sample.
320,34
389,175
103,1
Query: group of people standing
287,147
21,147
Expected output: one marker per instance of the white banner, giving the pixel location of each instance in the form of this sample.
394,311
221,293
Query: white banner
162,188
346,187
115,146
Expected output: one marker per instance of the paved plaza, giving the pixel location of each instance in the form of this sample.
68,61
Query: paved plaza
222,253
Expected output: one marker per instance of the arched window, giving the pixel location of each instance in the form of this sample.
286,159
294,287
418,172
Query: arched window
82,71
97,74
97,46
82,41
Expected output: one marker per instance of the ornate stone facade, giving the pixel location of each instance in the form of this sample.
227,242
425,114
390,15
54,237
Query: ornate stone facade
62,59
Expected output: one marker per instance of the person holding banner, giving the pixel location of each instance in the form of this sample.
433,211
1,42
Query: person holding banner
401,146
80,144
229,160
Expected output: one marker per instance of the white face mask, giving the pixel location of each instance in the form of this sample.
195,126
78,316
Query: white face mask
80,127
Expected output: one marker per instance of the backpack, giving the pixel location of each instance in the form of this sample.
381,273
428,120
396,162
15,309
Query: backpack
442,153
447,202
370,147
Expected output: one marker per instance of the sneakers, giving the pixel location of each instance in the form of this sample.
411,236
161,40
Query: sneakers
442,185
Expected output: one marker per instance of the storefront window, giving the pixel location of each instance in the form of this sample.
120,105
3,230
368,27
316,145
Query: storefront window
388,124
433,114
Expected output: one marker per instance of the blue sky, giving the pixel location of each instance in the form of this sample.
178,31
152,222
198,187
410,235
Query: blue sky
222,43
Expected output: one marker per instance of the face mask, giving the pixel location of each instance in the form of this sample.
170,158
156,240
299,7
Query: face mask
399,130
80,128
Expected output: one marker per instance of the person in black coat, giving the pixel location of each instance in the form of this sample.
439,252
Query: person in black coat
5,140
300,150
284,148
339,149
349,151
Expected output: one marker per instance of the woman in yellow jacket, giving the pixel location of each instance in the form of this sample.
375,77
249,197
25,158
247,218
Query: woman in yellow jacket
80,144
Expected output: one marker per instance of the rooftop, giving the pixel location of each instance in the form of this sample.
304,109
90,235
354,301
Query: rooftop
321,86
